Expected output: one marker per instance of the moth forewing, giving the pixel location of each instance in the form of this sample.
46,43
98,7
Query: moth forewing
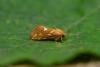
43,33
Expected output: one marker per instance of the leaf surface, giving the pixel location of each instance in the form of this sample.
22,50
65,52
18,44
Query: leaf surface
80,19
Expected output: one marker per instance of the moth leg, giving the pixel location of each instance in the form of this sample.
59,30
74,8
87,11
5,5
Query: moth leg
58,38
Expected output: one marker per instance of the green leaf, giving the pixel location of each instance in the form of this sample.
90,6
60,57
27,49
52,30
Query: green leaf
80,20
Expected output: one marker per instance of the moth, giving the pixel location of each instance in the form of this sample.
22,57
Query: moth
43,33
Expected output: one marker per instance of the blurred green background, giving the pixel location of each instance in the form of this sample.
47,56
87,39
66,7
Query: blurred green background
80,20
